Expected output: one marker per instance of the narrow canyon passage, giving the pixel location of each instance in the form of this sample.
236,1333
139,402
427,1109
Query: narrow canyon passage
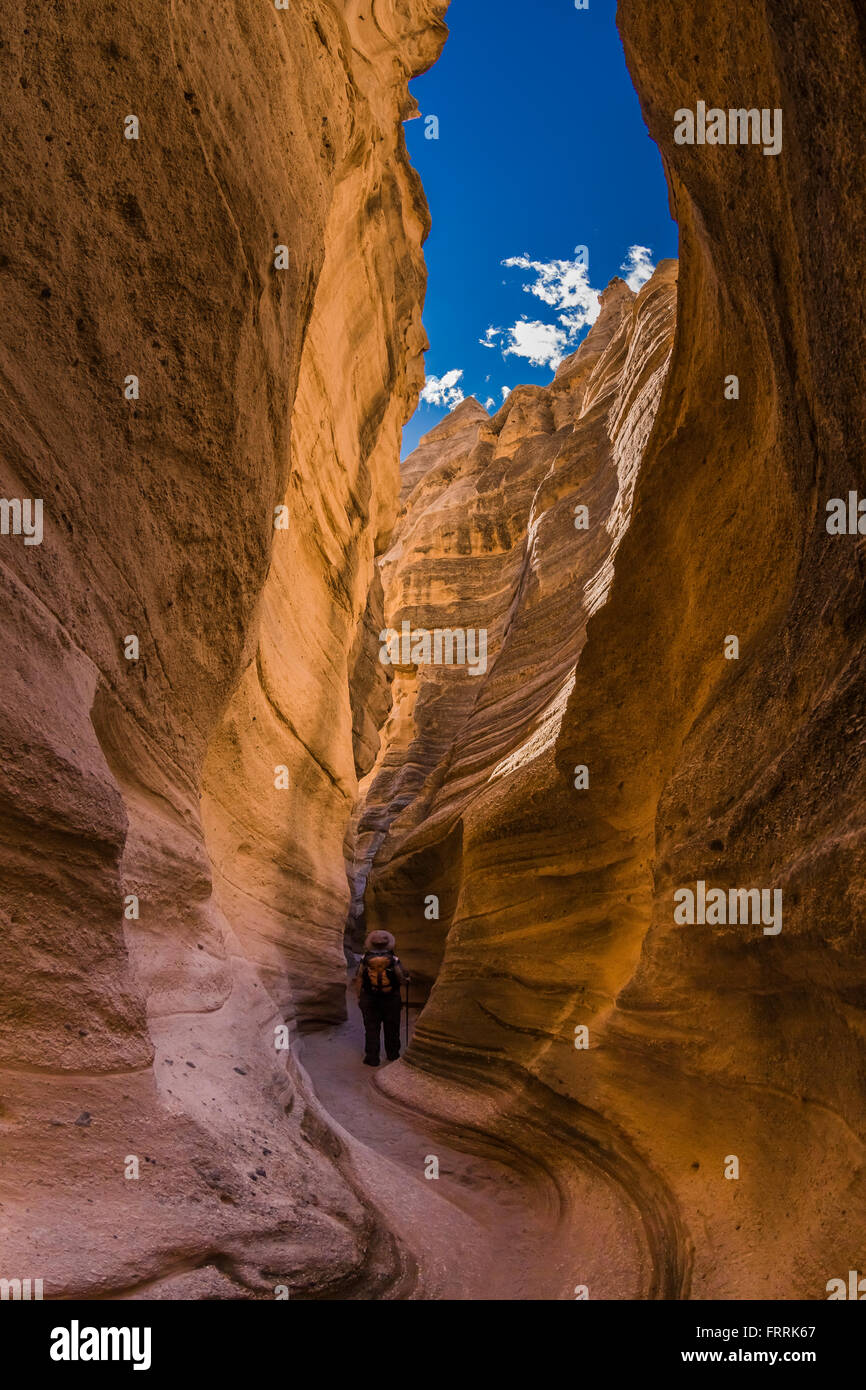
593,652
480,1229
488,527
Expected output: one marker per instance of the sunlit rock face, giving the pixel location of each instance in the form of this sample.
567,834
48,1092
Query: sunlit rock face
174,825
707,1042
153,1037
510,528
513,524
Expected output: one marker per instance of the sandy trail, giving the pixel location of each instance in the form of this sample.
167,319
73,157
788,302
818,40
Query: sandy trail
481,1230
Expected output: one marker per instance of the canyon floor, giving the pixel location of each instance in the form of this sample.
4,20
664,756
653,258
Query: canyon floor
485,1231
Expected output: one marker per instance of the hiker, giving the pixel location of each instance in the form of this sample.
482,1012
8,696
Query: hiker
381,977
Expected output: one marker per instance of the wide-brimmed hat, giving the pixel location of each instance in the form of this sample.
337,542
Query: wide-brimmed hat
380,939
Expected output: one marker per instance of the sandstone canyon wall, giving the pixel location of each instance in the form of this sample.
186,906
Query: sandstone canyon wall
265,381
491,538
244,518
706,1042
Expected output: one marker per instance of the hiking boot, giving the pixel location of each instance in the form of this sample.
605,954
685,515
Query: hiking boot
395,1058
371,1061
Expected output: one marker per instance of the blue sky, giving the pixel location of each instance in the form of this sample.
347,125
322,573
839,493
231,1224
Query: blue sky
542,149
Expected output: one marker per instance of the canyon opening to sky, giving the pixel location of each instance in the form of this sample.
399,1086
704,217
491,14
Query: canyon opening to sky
544,658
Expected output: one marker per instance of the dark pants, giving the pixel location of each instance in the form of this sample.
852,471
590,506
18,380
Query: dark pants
381,1011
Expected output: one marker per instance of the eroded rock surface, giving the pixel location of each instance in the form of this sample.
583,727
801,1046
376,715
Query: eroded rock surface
513,525
706,1042
511,528
145,1044
153,1037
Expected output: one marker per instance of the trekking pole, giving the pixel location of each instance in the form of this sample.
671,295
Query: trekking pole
407,1014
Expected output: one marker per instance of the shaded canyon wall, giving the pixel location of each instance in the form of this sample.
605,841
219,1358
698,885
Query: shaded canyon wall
152,1037
705,1042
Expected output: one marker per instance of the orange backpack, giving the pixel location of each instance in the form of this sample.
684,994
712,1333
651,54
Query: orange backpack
378,970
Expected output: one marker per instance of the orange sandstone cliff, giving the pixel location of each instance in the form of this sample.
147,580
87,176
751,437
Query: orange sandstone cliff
198,734
572,1016
172,825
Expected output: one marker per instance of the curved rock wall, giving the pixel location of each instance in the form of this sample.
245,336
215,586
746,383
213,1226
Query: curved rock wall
706,1043
490,538
174,818
265,380
469,804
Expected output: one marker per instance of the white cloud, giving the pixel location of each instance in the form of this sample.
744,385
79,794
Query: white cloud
637,266
563,285
489,403
443,390
543,344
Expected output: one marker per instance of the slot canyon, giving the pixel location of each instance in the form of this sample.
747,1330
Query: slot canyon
212,787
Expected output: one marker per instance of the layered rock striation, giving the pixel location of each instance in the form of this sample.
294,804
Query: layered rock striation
248,248
707,1041
211,257
511,530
